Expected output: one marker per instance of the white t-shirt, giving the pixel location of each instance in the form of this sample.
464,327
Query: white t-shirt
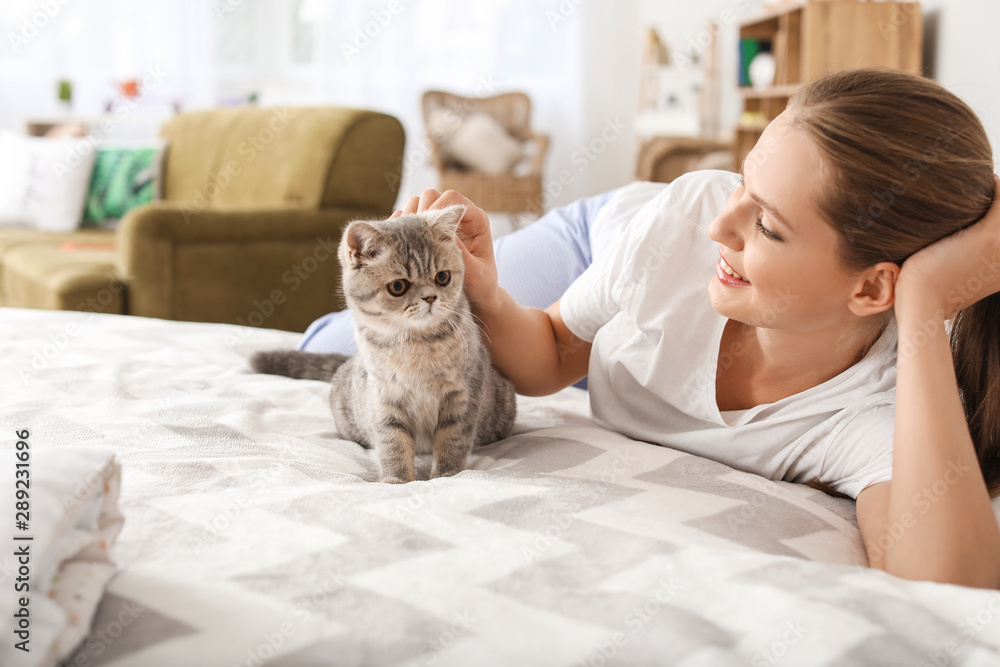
656,338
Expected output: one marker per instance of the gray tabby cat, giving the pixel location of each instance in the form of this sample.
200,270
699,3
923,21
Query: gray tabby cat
422,381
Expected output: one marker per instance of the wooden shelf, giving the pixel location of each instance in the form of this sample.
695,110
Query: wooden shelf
810,38
772,13
785,90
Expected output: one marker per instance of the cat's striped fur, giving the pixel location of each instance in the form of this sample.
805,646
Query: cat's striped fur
422,381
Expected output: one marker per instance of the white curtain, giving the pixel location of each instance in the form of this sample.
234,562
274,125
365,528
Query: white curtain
573,58
96,43
374,57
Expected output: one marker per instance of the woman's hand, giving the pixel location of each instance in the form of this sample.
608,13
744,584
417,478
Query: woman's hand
474,239
957,271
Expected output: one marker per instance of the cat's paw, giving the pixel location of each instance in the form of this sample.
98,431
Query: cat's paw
392,479
445,472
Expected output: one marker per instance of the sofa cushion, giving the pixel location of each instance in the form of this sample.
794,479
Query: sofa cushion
43,275
192,160
44,181
124,176
282,157
11,238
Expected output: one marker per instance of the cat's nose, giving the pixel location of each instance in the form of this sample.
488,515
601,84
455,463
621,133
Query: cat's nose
430,299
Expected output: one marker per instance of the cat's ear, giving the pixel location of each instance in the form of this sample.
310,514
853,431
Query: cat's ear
445,221
362,242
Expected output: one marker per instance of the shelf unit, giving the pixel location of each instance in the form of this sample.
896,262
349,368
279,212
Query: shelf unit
812,37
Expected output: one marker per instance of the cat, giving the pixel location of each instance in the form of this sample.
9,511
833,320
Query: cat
422,381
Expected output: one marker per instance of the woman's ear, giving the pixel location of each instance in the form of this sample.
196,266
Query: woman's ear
875,290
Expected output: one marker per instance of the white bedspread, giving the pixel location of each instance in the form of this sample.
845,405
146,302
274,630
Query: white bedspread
252,535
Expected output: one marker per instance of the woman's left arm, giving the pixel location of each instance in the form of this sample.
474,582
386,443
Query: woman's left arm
934,520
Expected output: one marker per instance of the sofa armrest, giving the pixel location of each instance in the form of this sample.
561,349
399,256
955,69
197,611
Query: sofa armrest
274,268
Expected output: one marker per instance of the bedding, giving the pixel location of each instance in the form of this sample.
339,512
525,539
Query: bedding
253,536
67,522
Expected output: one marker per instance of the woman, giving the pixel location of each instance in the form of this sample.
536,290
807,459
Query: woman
754,319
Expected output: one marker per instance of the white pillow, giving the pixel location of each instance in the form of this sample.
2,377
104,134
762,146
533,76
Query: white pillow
43,182
442,123
482,144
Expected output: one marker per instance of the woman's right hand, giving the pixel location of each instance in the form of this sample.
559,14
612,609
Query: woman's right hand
475,240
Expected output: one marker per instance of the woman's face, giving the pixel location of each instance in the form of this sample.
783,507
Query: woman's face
771,236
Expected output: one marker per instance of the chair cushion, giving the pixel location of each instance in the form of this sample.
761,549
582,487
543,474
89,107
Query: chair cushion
479,141
44,275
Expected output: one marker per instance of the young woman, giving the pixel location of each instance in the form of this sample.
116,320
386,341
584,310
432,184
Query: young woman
755,319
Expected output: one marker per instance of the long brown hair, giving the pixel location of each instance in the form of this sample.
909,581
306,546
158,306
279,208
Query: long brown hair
910,163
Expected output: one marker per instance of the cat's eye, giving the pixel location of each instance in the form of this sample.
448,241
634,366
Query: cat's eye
398,287
443,278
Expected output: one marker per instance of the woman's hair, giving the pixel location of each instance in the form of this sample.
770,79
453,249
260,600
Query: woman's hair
910,163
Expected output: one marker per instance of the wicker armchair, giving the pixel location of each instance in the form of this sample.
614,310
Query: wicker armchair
513,192
662,159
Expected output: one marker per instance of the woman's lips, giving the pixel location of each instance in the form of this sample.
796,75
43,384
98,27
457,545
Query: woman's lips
725,278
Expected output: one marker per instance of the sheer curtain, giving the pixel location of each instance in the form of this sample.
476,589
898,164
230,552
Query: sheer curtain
97,43
575,59
372,56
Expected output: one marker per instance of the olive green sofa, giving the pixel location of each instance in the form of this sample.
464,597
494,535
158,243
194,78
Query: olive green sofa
254,201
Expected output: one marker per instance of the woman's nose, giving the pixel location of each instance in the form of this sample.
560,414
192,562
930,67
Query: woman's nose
727,227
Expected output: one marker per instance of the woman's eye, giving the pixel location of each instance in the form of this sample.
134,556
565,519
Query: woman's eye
398,287
443,278
765,231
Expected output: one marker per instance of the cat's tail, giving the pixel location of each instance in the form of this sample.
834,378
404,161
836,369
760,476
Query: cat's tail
302,365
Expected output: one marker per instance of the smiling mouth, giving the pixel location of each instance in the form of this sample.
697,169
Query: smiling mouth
727,276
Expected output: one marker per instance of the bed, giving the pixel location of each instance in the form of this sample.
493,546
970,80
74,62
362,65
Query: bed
252,535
